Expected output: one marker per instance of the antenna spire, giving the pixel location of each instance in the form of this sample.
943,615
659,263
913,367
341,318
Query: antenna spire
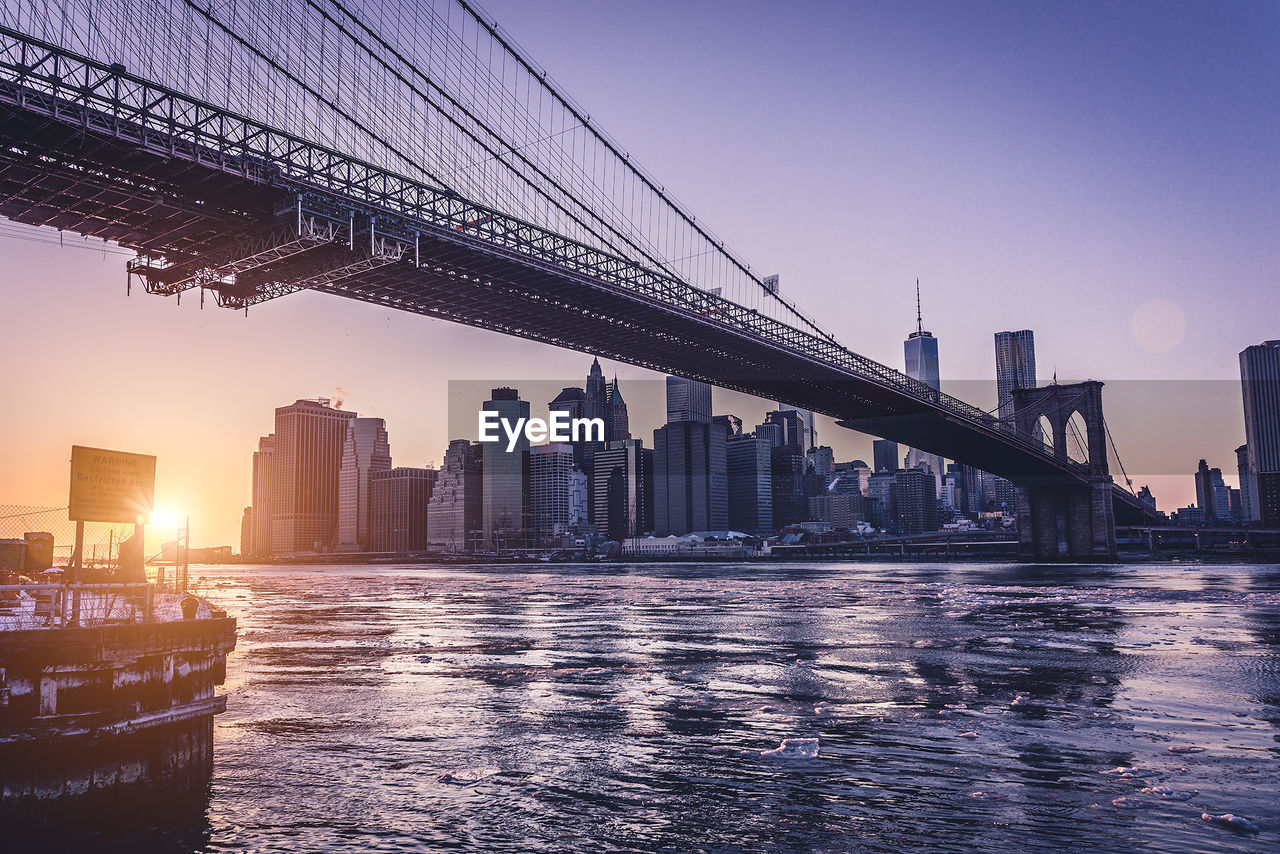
919,319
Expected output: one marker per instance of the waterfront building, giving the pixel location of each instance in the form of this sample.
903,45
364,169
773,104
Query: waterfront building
1145,496
1248,486
246,531
841,509
304,475
690,483
688,400
790,486
260,521
551,488
1212,496
1260,383
454,510
365,451
398,502
622,483
886,456
878,507
617,424
505,495
750,484
915,503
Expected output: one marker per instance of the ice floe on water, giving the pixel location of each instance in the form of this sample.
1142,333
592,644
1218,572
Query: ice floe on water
1186,748
984,795
969,734
1127,803
794,748
1231,822
1165,793
467,776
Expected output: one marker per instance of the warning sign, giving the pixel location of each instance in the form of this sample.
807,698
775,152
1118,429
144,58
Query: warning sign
111,486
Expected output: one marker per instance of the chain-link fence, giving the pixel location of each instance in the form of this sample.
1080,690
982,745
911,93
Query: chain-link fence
34,538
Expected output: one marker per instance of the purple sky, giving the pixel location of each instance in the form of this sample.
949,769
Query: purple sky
1048,166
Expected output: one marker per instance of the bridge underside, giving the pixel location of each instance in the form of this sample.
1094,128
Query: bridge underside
76,179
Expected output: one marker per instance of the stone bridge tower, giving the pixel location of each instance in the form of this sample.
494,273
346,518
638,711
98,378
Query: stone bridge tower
1066,518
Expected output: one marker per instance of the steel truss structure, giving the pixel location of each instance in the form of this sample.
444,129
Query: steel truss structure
216,200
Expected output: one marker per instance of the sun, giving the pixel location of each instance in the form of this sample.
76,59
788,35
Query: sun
165,518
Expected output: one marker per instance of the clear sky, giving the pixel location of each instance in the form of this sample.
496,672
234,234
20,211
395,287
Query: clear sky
1106,174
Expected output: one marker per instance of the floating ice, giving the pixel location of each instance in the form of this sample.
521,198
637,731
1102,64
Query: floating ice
1231,822
467,776
794,748
987,796
1165,793
968,735
1127,803
1186,748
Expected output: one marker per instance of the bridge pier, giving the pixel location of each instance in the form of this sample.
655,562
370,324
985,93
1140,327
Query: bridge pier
1066,521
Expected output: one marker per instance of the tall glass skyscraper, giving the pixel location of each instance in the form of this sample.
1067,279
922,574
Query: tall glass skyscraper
506,475
454,510
1260,383
688,400
1015,368
921,352
365,451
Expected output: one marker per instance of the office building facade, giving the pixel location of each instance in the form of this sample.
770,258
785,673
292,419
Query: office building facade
366,450
398,502
304,476
505,494
455,511
1260,385
748,464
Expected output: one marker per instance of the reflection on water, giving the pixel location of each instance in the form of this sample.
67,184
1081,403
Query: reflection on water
954,708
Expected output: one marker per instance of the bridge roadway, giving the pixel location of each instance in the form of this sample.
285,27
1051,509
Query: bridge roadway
211,199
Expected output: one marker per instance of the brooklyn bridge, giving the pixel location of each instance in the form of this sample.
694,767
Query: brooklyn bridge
409,153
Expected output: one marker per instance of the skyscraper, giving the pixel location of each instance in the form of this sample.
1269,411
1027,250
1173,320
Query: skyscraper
365,451
617,425
811,439
1015,368
795,431
1260,382
398,502
304,475
506,475
260,522
596,398
915,502
688,400
690,484
622,487
790,496
921,353
1212,496
551,477
885,456
1248,486
454,511
750,477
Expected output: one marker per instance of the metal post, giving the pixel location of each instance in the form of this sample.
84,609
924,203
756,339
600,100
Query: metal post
77,555
186,553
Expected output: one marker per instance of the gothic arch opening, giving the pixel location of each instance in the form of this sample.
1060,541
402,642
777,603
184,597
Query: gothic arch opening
1077,439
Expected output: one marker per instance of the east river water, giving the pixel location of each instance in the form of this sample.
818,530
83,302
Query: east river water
825,707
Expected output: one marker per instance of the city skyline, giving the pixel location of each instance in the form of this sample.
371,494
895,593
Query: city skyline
1202,244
